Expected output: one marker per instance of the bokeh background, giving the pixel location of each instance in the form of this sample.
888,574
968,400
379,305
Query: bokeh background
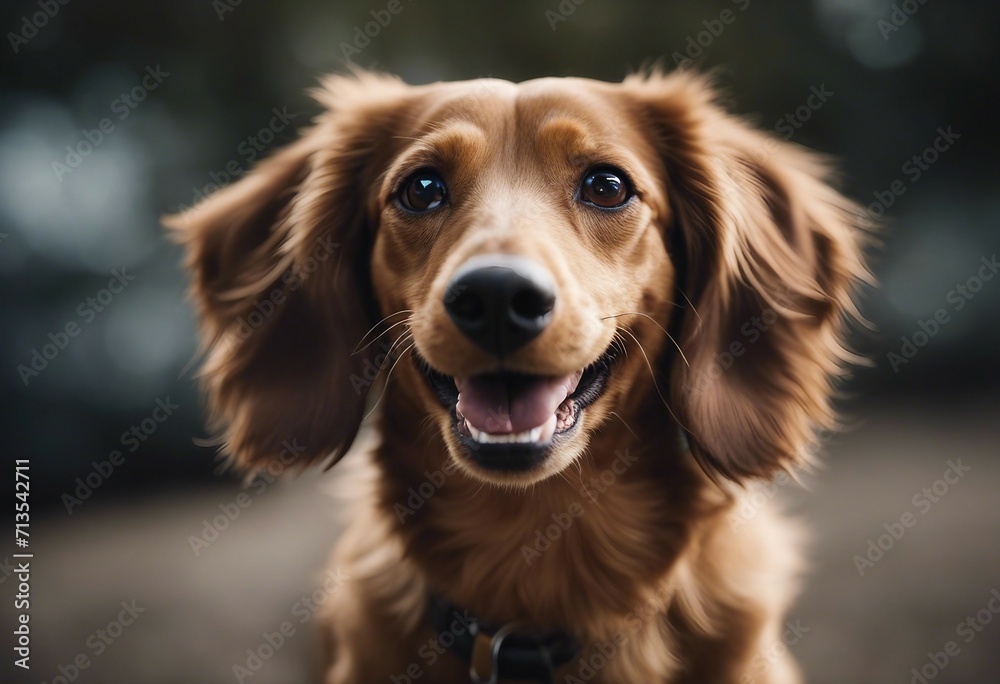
201,83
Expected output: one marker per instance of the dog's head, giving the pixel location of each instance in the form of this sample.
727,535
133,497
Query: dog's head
526,260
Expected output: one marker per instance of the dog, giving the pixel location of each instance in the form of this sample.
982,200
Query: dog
585,319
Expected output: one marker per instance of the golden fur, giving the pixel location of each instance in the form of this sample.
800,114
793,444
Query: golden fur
730,228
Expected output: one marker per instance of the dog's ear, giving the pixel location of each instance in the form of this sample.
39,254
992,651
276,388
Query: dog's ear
769,256
280,264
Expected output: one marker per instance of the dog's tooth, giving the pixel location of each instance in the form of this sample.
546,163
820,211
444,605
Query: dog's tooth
525,437
476,434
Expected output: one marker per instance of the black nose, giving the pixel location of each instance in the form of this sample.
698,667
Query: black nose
501,301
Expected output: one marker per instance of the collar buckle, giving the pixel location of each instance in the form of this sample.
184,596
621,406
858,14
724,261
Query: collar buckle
496,644
514,651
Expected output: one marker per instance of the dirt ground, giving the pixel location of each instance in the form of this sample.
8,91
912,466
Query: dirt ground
194,617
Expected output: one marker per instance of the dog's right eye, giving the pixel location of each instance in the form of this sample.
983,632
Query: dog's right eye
423,191
605,187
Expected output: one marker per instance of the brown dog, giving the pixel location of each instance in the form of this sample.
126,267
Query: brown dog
596,310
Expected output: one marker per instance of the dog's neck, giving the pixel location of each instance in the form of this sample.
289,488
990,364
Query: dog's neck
594,539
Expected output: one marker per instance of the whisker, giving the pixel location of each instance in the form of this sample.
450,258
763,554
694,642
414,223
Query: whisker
365,336
588,455
375,339
385,385
662,329
426,423
693,307
399,342
620,344
652,375
476,493
627,426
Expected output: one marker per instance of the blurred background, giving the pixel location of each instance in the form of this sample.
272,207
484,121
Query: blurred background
115,113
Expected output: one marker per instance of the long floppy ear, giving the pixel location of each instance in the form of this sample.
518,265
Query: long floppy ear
280,264
769,258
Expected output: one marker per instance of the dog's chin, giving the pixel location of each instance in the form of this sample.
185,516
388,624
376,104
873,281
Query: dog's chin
498,448
495,469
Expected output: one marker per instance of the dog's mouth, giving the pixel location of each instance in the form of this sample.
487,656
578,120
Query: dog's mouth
508,420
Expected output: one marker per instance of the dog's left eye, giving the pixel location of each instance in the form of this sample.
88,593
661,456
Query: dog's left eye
423,191
605,188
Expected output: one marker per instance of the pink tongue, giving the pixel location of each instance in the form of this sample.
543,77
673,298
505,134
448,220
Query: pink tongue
500,404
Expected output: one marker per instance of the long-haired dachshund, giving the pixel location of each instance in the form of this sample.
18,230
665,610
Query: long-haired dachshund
592,315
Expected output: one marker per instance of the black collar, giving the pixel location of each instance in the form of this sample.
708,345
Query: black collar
516,651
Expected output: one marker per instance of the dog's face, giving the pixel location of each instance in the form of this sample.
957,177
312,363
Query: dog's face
517,256
519,230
